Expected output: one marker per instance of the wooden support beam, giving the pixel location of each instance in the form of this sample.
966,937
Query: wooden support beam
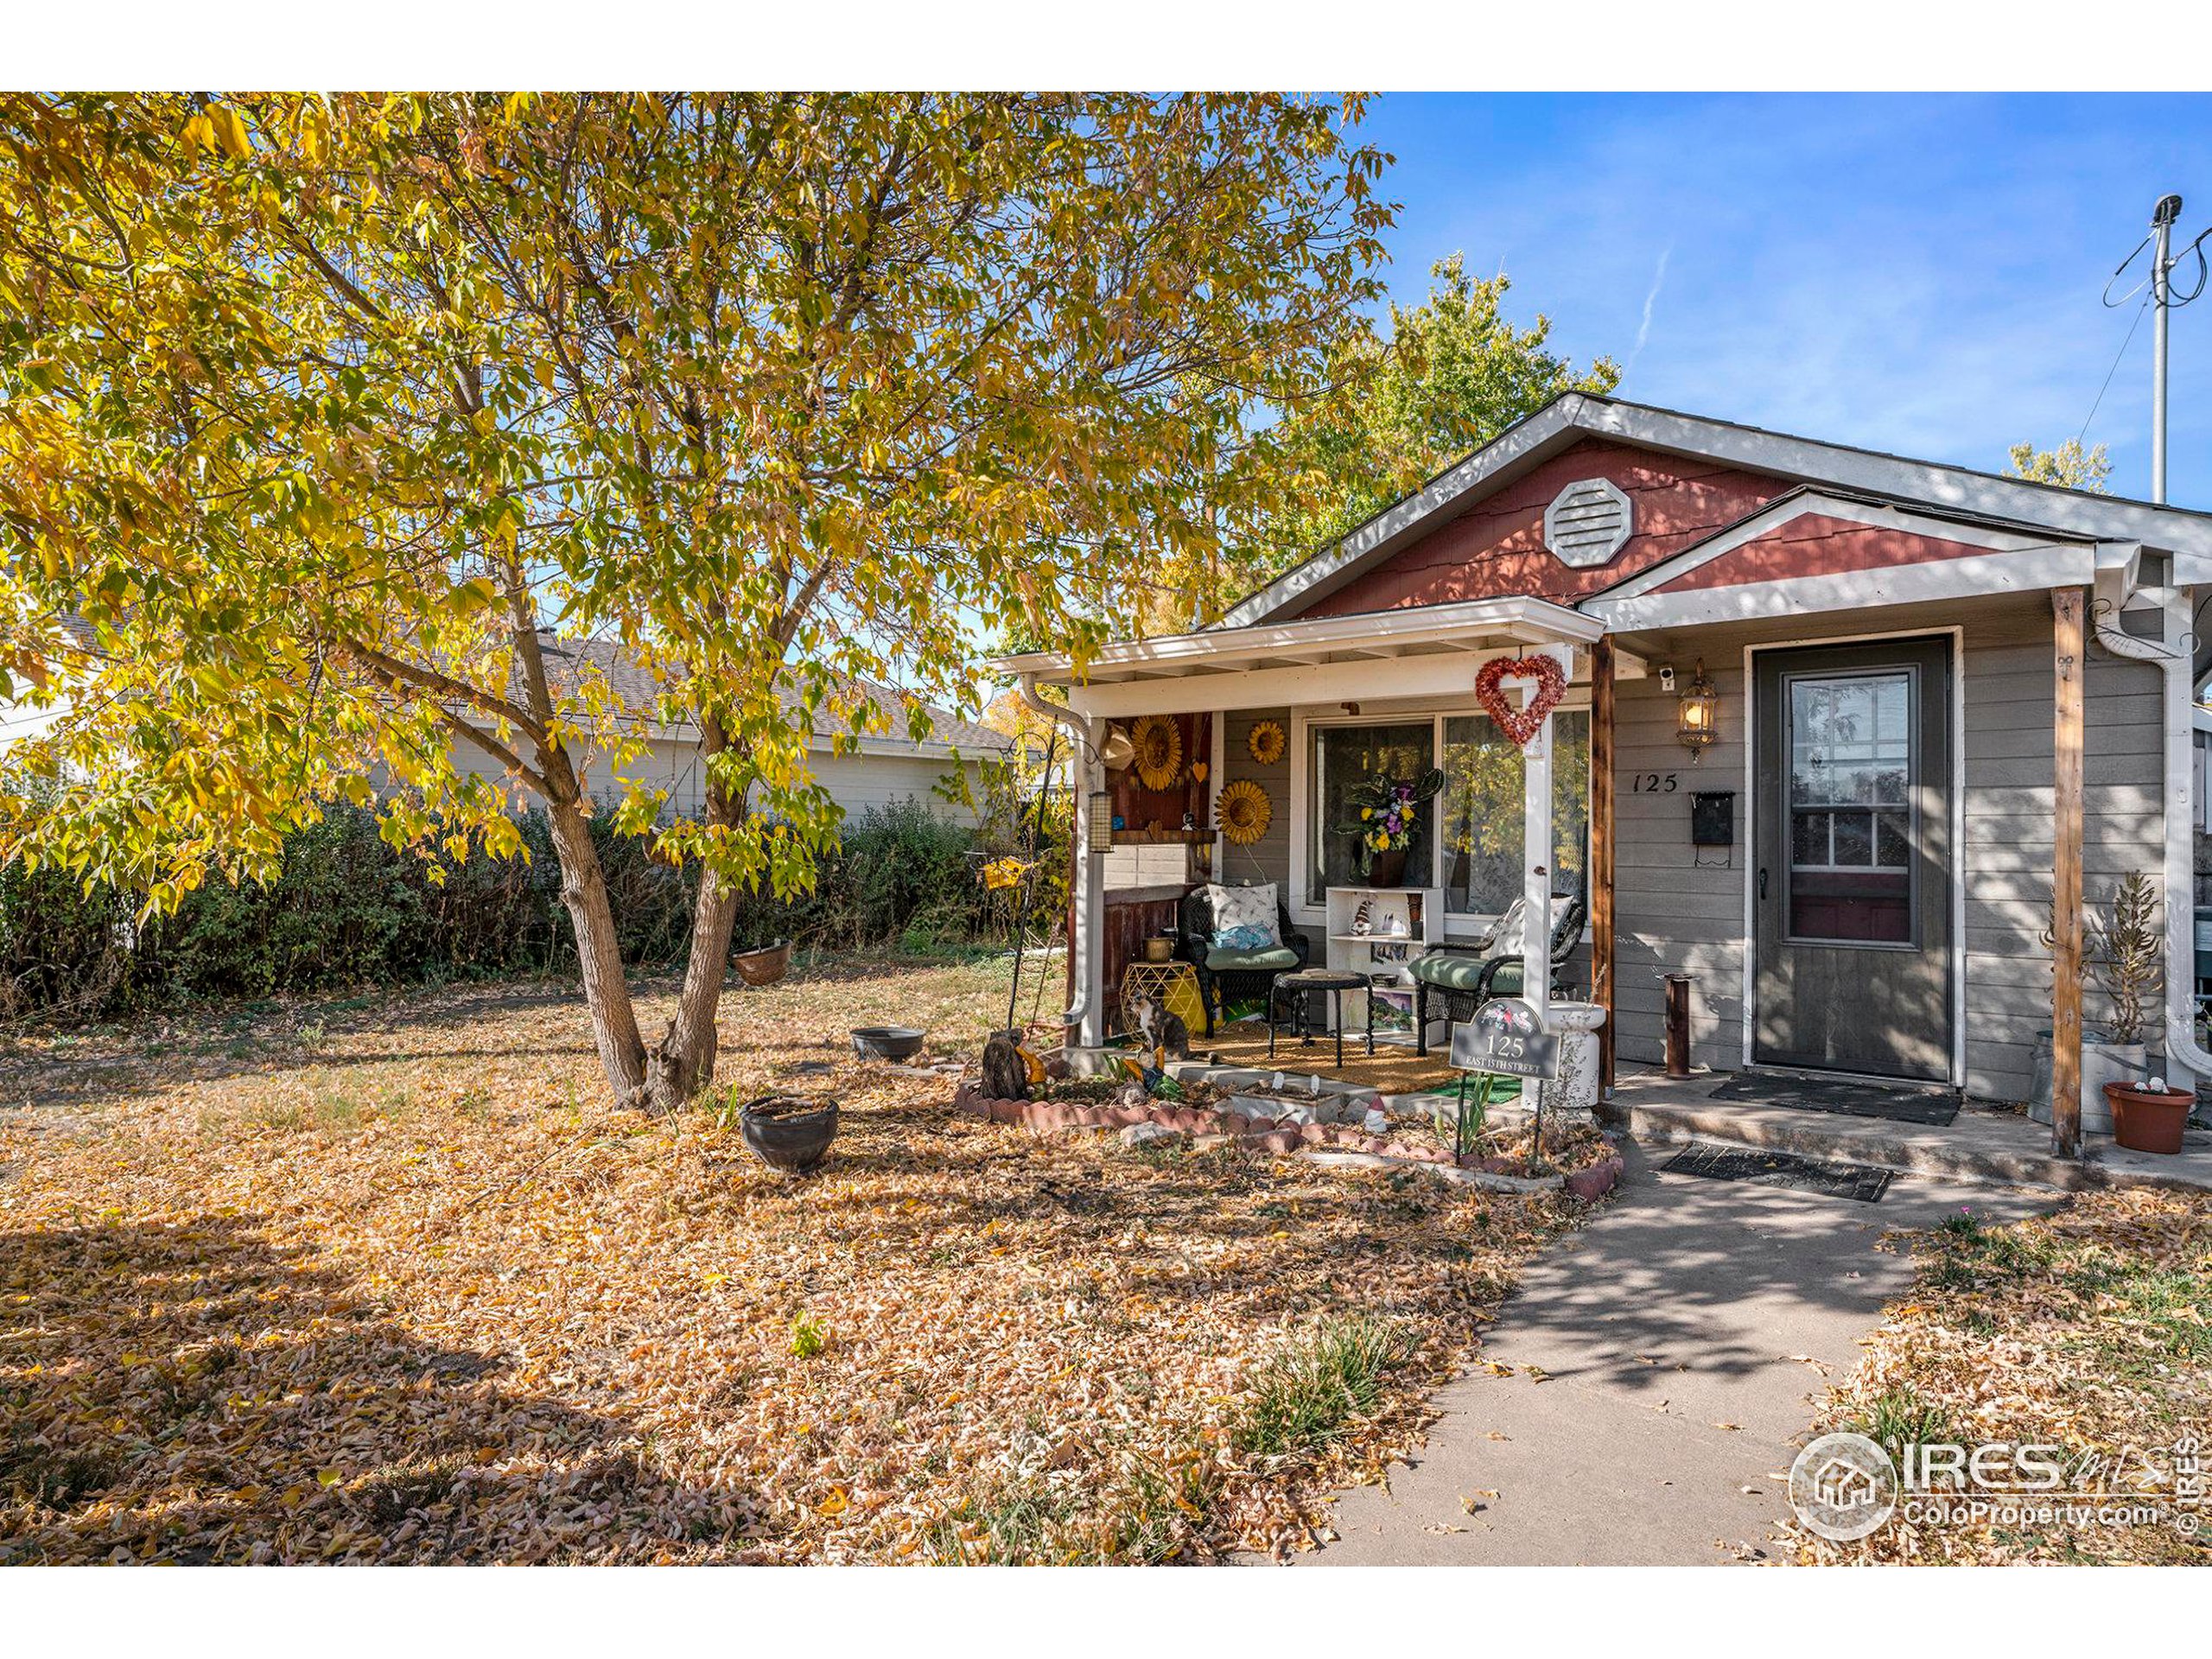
1601,853
2066,875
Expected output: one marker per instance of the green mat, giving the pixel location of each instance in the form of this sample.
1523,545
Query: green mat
1501,1089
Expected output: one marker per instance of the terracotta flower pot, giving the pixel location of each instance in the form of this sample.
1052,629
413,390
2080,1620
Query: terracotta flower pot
2148,1119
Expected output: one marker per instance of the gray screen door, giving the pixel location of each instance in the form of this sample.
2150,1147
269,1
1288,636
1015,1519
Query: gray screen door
1852,864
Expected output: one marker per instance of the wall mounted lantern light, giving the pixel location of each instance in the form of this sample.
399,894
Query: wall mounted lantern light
1699,719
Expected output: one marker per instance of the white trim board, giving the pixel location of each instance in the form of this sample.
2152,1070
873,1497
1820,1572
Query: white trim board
1511,619
1978,576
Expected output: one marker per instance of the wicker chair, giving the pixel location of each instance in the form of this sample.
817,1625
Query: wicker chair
1467,975
1224,976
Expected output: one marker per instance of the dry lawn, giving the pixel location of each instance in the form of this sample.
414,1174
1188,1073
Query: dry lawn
2089,1329
382,1279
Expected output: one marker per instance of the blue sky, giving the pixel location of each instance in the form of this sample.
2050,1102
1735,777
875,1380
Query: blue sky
1915,274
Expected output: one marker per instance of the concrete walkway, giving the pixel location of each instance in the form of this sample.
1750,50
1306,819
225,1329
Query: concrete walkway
1664,1364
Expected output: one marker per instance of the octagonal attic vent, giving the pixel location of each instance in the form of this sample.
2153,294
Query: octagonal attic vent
1587,522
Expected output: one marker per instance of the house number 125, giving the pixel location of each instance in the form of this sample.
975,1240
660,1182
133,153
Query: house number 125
1655,783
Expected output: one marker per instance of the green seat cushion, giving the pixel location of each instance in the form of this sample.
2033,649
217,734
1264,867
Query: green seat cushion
1450,970
1507,981
1251,961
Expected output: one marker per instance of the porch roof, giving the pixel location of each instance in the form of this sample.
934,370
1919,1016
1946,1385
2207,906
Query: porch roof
1482,627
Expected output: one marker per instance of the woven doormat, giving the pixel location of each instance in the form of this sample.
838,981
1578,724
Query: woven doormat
1935,1108
1856,1181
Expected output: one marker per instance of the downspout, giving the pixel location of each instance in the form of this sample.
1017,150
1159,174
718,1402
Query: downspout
1083,751
2176,800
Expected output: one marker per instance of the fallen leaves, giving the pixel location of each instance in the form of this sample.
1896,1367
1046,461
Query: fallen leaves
2081,1330
411,1294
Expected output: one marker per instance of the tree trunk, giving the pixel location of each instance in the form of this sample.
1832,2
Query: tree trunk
683,1062
598,956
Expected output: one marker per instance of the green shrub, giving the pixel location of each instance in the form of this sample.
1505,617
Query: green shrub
347,910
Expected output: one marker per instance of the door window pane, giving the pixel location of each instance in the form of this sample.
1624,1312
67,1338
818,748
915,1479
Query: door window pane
1893,842
1853,847
1482,811
1343,758
1851,753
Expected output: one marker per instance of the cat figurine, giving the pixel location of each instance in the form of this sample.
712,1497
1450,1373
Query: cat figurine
1163,1030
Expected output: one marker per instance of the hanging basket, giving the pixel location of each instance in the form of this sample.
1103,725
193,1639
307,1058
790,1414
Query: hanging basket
763,966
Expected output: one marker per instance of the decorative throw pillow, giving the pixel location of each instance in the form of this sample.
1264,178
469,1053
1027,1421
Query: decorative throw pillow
1505,938
1239,909
1250,937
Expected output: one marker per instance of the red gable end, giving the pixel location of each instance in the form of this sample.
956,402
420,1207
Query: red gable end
1815,544
1496,547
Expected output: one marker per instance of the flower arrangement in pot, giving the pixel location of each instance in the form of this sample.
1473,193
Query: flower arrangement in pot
2125,955
1386,821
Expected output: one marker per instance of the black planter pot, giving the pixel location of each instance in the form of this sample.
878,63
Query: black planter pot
887,1042
788,1133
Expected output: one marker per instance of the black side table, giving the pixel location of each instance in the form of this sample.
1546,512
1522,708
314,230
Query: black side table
1318,979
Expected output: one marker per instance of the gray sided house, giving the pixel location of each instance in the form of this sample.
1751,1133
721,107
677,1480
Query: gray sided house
1816,747
889,765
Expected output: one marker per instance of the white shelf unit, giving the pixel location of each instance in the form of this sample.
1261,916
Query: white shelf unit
1402,923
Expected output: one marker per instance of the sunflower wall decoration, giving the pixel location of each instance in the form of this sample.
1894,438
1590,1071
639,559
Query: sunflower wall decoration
1243,811
1160,752
1265,742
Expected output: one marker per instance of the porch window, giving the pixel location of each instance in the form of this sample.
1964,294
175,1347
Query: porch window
1482,811
1343,758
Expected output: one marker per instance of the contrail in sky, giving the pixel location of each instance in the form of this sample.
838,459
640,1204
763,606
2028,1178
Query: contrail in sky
1644,329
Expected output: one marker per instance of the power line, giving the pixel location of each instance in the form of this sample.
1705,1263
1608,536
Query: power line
2111,371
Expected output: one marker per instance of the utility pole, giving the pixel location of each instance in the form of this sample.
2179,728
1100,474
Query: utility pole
2162,262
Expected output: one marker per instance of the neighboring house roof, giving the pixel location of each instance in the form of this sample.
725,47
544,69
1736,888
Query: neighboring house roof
638,690
1579,417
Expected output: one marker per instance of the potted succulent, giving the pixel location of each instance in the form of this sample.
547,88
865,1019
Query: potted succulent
2125,954
1385,823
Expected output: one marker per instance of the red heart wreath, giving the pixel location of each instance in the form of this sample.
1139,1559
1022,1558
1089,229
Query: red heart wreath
1521,724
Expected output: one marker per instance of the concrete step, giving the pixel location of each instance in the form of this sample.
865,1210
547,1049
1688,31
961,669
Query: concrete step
1907,1148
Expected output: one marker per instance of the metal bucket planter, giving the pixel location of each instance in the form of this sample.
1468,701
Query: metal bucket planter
887,1042
788,1132
764,966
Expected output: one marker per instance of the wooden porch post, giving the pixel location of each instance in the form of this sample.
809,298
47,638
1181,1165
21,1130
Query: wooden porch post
1601,852
2066,876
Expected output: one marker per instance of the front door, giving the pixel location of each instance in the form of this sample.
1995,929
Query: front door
1853,861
